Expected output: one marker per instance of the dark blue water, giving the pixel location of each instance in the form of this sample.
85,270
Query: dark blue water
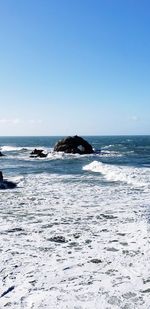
116,150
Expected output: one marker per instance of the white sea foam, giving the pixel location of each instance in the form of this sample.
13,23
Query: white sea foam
16,179
110,153
11,148
53,155
107,146
104,261
132,176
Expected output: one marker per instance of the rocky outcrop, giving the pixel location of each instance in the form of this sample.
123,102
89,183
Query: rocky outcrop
75,144
5,184
38,153
1,154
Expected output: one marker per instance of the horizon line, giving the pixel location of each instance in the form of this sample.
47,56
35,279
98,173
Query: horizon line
98,135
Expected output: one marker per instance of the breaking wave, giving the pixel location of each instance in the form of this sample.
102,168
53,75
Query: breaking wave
12,148
130,175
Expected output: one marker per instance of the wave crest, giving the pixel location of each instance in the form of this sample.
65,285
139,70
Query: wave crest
129,175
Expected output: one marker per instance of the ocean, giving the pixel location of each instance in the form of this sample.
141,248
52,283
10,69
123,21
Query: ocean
74,234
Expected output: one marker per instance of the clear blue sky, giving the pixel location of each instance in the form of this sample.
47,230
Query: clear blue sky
74,67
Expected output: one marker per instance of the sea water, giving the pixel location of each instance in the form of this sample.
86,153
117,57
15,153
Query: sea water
74,234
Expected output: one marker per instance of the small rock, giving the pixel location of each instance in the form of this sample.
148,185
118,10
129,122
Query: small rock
38,153
16,229
96,261
59,239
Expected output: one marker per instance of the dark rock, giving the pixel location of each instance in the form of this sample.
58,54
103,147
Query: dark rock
38,153
5,184
42,155
1,176
1,154
59,239
96,261
75,144
16,229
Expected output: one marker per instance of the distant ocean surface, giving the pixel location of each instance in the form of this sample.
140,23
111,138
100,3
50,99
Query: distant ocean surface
74,234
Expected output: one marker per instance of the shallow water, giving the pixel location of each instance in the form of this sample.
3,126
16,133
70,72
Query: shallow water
75,231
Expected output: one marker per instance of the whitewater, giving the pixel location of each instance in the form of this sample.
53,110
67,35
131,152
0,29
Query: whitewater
74,234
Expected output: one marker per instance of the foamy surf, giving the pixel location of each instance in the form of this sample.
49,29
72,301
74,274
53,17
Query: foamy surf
129,175
11,148
65,249
23,149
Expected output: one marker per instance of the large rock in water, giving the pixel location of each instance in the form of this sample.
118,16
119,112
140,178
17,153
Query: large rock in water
75,144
